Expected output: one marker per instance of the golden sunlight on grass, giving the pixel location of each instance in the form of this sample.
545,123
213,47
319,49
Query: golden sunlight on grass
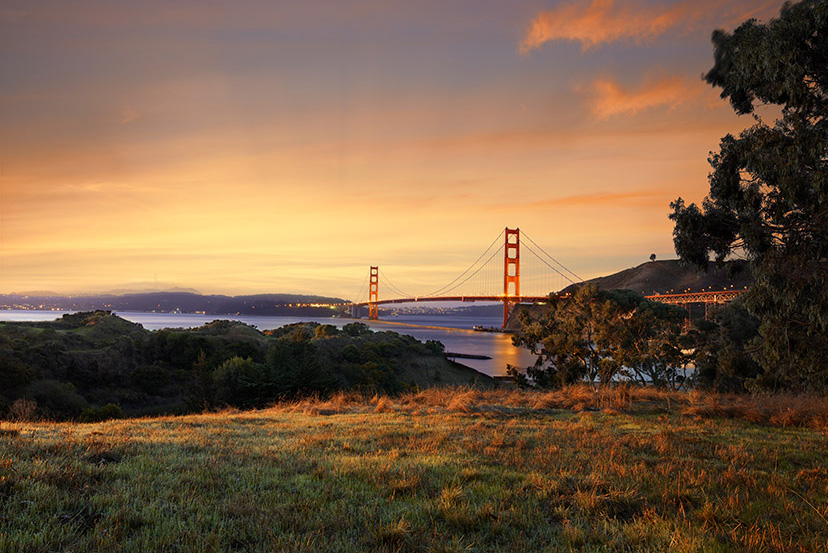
439,470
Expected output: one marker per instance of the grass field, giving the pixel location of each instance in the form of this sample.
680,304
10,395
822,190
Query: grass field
441,470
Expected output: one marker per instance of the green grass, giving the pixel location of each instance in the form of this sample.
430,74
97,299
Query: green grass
443,470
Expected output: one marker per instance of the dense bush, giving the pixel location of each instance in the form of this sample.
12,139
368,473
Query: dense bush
57,399
107,412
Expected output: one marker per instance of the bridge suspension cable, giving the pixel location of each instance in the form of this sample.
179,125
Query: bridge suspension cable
362,290
386,282
448,287
485,263
542,260
561,265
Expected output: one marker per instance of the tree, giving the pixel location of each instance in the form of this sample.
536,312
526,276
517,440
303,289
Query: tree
768,197
597,335
722,360
648,341
203,389
567,340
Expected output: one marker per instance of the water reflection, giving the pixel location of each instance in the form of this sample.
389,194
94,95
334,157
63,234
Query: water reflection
461,339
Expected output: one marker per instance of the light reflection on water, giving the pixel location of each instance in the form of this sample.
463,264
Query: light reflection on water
453,331
461,339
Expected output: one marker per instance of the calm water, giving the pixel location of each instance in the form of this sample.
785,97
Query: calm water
454,332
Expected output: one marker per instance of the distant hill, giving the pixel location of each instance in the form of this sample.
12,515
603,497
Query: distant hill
261,304
671,276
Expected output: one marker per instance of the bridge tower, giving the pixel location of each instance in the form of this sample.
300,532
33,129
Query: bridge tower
511,272
373,294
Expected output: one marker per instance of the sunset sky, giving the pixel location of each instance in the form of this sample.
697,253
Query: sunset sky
254,147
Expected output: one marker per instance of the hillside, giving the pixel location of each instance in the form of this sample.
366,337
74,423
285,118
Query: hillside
77,366
260,304
443,470
671,276
661,277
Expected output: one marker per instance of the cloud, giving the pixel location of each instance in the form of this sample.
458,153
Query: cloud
610,99
128,115
605,21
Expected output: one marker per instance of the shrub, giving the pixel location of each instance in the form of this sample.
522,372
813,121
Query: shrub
435,346
239,382
105,413
356,329
14,373
22,410
151,378
57,399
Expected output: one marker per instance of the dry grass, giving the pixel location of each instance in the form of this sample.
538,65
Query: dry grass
782,410
459,469
774,410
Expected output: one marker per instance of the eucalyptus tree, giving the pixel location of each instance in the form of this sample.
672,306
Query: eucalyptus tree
768,198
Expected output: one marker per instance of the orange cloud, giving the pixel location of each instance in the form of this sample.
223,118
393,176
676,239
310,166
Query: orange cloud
128,115
605,21
610,99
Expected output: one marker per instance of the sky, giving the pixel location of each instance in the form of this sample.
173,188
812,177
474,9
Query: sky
277,146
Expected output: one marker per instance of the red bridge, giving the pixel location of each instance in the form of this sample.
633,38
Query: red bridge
483,273
487,274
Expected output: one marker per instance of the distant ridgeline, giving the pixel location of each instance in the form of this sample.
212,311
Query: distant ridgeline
261,304
95,365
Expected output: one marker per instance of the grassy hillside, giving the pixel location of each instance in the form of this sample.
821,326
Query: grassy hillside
671,276
439,470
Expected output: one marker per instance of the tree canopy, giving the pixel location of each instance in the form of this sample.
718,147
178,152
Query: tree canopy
601,335
768,197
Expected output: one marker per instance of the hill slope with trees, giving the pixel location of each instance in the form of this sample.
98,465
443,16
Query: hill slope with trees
187,302
95,365
663,277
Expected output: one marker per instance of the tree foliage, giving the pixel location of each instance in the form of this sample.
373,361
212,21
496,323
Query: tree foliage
722,356
768,196
598,335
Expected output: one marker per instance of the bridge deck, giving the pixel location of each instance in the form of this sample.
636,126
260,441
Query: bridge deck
721,296
517,299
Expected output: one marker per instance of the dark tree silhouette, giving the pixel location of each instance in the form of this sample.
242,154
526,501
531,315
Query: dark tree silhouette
768,197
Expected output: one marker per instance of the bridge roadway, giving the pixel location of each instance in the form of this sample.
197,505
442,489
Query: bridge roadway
720,296
515,299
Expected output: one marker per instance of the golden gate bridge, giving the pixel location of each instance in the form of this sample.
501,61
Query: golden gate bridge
488,280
